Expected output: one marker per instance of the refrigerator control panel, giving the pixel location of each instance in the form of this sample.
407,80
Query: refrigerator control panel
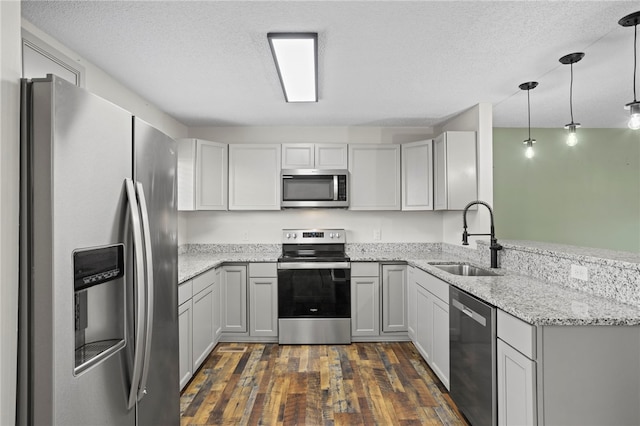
97,265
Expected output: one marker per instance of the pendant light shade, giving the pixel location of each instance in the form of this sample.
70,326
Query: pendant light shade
570,59
633,20
296,58
528,86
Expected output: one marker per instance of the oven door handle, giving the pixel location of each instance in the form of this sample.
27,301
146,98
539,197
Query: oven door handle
314,265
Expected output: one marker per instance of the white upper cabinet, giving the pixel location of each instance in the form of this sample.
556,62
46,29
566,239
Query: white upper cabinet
254,177
314,156
417,175
331,156
202,175
298,156
455,174
375,177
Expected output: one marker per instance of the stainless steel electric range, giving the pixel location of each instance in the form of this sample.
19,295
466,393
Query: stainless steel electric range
314,287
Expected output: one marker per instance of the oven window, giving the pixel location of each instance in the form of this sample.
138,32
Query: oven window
307,188
310,293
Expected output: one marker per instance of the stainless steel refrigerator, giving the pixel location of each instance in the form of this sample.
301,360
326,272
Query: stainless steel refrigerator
98,289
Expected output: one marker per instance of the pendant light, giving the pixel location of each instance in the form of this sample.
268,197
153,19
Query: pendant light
634,107
529,153
571,59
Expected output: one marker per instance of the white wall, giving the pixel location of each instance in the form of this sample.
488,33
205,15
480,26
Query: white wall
102,84
478,119
10,71
265,227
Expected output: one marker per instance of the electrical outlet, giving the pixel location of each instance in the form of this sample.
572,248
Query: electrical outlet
376,235
245,236
579,272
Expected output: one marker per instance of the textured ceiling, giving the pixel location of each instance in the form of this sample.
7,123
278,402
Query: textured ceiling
382,63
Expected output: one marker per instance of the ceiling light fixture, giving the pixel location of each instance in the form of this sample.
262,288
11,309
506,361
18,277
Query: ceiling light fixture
634,107
571,59
529,142
296,58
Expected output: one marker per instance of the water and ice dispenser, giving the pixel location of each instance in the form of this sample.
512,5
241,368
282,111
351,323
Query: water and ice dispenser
99,301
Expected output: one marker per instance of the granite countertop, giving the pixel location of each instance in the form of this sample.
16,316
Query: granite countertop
534,301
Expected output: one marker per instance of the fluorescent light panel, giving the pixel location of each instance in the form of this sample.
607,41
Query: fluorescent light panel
296,58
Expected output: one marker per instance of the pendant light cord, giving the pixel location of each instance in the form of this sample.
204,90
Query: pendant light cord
571,94
529,113
635,60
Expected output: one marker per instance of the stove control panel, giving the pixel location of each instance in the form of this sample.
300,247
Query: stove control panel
313,236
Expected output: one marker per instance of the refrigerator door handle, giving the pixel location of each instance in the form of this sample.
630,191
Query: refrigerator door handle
139,288
146,231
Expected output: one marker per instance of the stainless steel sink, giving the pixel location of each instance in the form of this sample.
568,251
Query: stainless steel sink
465,270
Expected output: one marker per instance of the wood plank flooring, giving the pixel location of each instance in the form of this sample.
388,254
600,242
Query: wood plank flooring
357,384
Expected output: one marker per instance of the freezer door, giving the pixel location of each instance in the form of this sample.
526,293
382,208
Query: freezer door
79,149
155,169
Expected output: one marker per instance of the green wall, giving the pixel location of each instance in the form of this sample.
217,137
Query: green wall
587,195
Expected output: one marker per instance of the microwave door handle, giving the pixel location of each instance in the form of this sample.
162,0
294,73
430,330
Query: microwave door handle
335,187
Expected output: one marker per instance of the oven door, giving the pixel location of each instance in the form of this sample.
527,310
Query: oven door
314,302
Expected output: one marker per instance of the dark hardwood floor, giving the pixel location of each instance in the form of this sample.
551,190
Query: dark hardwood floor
357,384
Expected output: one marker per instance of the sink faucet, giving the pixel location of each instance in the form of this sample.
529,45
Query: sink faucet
494,247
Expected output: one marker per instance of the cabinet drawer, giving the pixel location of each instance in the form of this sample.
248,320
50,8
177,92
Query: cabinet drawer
517,333
204,280
365,269
185,291
262,270
438,287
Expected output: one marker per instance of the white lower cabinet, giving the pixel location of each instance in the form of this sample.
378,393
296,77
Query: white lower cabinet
196,309
217,306
202,326
411,303
185,346
423,334
431,328
394,298
365,299
516,387
263,299
233,292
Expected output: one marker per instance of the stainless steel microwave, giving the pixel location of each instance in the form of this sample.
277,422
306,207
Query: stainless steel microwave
315,188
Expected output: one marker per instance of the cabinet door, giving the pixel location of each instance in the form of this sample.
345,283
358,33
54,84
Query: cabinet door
234,298
440,346
217,307
263,306
455,176
516,387
417,175
298,156
411,303
211,176
185,345
440,173
331,156
254,177
424,328
186,172
365,306
375,177
394,298
202,328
